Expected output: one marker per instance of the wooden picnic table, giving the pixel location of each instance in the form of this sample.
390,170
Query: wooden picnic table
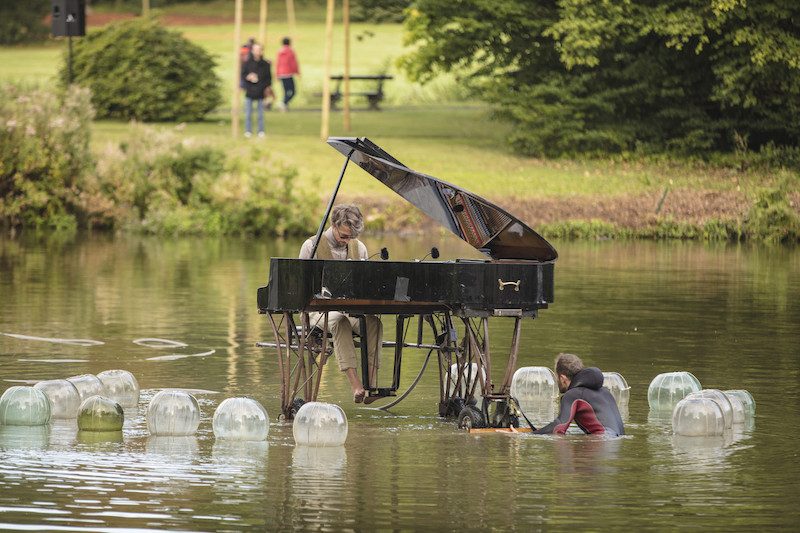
374,97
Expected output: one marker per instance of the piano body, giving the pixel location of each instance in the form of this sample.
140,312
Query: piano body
454,299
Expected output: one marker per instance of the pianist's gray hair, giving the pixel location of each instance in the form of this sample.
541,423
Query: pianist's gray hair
568,364
348,215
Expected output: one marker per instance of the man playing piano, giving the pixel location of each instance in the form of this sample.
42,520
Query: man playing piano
340,242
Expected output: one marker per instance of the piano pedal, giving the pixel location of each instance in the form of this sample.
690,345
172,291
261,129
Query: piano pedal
381,392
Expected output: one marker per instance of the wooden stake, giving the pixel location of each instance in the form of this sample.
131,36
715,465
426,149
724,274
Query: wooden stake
237,69
290,18
145,8
262,25
346,19
326,73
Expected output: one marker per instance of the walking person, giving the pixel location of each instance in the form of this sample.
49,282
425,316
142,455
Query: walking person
257,79
286,68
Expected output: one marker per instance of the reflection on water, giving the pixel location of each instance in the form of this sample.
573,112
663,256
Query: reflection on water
24,437
98,439
728,314
310,462
63,433
587,454
183,448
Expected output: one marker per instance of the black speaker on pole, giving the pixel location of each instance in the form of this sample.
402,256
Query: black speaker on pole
69,18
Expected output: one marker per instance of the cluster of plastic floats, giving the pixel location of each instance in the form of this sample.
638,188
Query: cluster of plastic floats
695,412
97,403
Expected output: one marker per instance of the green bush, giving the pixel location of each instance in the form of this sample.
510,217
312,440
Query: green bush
582,229
23,22
44,156
139,70
772,217
158,183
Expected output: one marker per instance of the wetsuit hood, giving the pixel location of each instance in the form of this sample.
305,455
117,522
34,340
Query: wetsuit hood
591,378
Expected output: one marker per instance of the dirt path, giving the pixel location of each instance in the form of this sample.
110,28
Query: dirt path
626,211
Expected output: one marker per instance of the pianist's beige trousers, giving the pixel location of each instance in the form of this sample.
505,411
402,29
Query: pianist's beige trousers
342,327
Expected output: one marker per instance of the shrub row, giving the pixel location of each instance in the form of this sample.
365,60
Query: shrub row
156,181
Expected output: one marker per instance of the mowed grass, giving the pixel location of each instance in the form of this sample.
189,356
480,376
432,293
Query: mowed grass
462,145
374,49
431,129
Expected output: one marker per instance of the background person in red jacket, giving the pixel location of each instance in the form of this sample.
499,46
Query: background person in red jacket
285,69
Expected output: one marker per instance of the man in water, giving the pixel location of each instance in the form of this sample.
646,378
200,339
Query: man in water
583,400
339,242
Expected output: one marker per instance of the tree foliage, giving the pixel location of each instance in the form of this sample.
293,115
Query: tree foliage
611,75
139,70
378,10
22,22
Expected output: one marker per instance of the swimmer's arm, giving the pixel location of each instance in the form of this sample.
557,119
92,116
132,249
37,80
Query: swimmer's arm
563,415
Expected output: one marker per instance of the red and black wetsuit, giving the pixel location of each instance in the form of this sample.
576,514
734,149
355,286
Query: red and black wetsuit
590,405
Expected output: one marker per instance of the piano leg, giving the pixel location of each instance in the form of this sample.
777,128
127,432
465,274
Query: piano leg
365,373
398,350
323,356
302,352
281,365
300,366
467,392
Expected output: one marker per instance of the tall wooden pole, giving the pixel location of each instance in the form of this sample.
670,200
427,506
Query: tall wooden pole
145,8
290,18
262,25
326,73
237,69
346,17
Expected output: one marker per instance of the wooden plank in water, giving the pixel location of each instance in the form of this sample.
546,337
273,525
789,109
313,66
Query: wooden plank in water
499,430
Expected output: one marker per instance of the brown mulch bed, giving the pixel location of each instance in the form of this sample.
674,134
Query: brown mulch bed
634,211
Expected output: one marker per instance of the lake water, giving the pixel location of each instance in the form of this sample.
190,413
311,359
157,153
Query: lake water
729,314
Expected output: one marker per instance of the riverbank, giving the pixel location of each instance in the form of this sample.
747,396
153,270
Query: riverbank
432,129
588,198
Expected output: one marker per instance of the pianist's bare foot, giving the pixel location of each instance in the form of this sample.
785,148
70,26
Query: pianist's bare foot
355,384
359,395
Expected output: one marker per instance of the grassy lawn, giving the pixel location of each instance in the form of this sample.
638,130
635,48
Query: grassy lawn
374,50
460,144
429,128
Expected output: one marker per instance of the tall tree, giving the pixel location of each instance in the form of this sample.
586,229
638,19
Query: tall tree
22,22
589,75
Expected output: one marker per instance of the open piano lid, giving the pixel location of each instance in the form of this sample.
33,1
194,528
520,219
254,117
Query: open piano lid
482,224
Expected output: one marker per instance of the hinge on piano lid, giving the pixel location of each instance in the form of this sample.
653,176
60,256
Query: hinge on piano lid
324,294
508,312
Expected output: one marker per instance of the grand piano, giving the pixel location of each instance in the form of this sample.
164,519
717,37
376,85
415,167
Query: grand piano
451,300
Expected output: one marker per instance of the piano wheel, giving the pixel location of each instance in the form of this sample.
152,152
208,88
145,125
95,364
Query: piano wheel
452,407
471,417
297,403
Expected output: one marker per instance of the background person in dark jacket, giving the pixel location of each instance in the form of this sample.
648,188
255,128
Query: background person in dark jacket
583,400
257,79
